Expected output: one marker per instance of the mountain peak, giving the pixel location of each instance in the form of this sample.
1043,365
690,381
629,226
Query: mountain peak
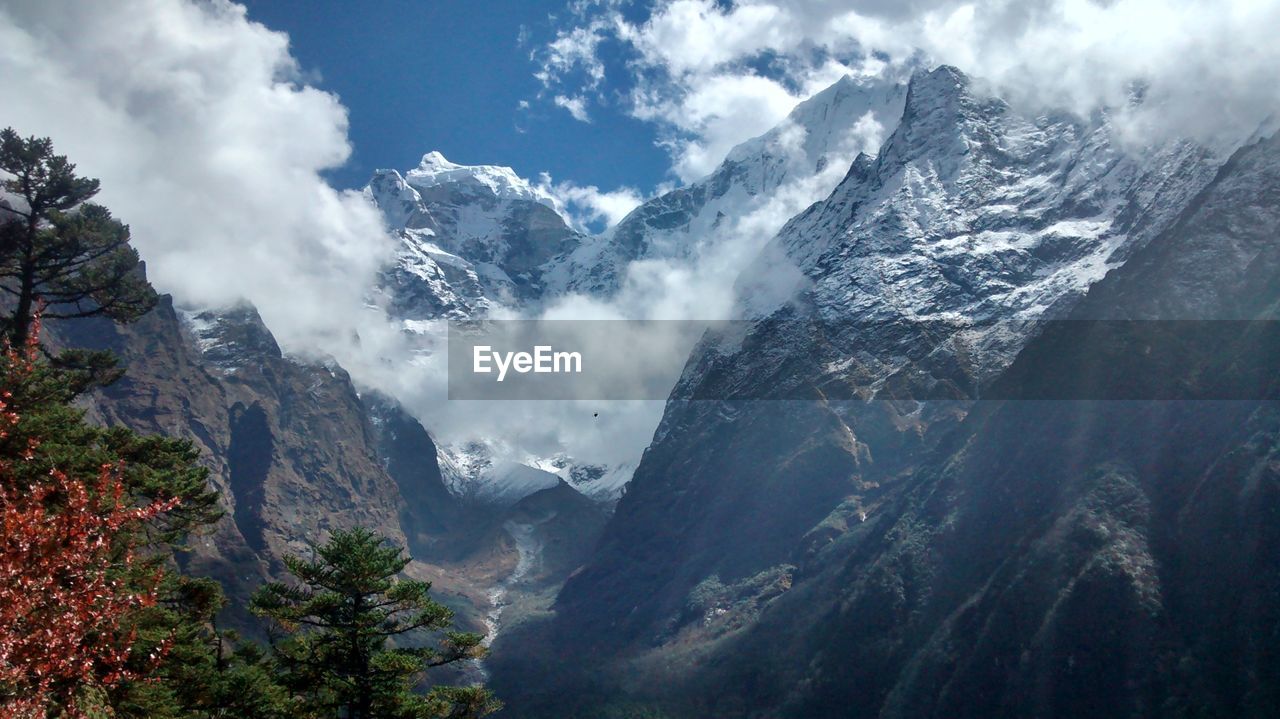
929,89
397,200
943,116
434,160
230,337
846,84
847,117
503,182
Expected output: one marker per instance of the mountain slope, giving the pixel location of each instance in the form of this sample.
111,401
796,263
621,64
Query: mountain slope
288,443
761,183
921,277
471,238
1097,558
480,241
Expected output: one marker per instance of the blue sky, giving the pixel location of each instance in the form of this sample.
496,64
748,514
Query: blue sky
449,75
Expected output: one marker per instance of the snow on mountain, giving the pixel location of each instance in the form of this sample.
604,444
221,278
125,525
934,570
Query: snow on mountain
472,471
501,182
932,263
919,278
941,203
974,213
846,118
480,241
473,238
229,338
397,200
762,183
429,283
512,249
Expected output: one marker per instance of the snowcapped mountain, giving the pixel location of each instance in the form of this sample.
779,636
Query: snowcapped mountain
762,183
475,238
1073,558
972,210
485,180
972,216
471,471
472,238
480,241
941,204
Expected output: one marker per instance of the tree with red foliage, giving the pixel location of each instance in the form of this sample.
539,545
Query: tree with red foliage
69,573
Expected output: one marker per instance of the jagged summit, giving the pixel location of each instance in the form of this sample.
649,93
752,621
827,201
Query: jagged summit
397,200
972,210
943,79
763,180
848,117
230,337
503,182
942,89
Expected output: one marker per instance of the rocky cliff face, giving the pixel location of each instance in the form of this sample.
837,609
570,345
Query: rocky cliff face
289,443
1101,558
823,527
296,451
919,277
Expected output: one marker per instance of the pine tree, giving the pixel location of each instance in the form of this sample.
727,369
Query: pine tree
205,672
154,468
59,249
339,620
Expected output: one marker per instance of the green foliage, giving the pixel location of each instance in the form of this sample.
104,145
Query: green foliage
351,638
206,672
185,668
154,467
336,625
60,249
180,666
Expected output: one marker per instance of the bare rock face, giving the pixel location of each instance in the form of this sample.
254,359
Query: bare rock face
290,445
1099,558
296,451
971,216
858,551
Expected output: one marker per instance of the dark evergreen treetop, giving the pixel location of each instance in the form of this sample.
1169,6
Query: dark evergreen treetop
338,624
59,249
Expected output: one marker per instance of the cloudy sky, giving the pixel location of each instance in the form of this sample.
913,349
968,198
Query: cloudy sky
663,89
616,99
232,138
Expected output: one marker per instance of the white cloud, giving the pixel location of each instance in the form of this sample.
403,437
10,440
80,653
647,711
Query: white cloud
210,147
689,76
587,205
574,49
698,35
715,114
577,107
1207,66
